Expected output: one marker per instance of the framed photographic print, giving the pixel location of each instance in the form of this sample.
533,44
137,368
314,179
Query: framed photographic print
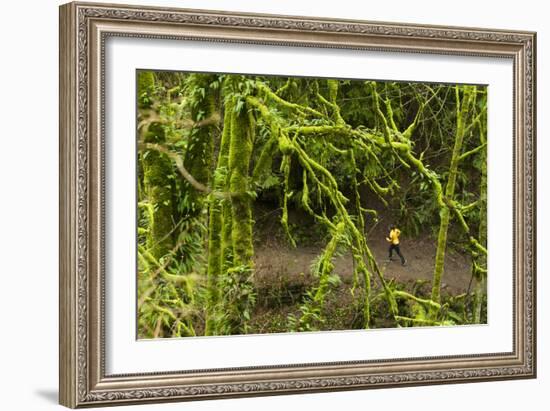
259,204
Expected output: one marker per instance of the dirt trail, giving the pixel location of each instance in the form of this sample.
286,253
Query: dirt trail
288,264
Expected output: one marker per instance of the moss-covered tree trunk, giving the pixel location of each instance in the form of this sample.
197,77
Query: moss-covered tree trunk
465,96
156,167
480,276
218,219
159,191
200,149
240,293
240,152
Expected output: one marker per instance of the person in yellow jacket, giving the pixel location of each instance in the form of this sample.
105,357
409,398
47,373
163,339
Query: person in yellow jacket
393,239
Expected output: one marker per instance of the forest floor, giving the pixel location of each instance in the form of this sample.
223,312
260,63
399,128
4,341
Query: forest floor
280,261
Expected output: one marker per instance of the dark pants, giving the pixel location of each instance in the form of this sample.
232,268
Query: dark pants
398,251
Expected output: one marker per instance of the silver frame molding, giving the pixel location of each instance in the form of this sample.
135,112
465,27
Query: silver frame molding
84,27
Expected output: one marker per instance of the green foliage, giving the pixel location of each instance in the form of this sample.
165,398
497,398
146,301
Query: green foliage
238,300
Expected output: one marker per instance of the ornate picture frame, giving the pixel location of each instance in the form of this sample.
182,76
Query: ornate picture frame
84,29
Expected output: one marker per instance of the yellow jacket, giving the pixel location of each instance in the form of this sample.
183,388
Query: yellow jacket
394,236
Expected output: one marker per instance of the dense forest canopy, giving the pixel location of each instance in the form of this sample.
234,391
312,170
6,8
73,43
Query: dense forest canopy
332,161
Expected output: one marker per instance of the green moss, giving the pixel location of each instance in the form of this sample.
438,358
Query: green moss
332,89
145,88
285,145
265,160
333,86
240,152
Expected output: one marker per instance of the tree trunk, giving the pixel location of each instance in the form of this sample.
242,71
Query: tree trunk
216,226
159,191
481,277
240,152
200,149
463,106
